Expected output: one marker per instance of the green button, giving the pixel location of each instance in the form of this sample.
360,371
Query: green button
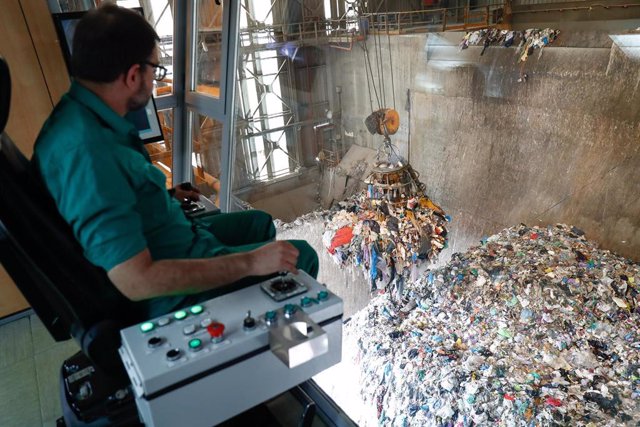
306,301
289,308
270,315
196,309
179,315
147,326
195,343
323,295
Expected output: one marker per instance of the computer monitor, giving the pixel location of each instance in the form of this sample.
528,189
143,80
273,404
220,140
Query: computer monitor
145,119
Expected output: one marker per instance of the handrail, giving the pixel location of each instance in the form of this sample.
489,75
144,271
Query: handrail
343,31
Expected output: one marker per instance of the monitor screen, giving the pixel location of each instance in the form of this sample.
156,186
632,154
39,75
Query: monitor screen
144,119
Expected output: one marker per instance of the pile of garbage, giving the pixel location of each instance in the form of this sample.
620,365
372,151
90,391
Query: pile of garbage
526,41
387,240
535,326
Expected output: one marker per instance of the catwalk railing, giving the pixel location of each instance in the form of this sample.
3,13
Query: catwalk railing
350,28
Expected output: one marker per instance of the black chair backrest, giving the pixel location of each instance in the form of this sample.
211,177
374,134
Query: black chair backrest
37,248
5,93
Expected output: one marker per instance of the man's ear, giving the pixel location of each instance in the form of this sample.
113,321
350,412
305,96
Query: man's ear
132,75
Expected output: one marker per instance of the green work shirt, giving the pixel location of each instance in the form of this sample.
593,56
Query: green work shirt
105,186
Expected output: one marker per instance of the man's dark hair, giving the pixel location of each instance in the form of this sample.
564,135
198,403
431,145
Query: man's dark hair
108,41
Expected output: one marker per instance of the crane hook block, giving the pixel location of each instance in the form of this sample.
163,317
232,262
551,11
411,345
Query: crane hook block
385,121
390,120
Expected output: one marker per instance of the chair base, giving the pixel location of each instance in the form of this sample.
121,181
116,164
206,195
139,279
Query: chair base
91,399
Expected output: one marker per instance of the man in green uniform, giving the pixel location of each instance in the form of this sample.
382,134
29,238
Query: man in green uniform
102,180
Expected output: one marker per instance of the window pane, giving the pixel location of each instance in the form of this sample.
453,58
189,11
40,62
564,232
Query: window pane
209,47
205,157
281,97
161,152
160,16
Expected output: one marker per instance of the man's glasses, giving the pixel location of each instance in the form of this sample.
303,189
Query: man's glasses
159,72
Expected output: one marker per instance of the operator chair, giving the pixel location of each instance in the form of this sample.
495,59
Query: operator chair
40,253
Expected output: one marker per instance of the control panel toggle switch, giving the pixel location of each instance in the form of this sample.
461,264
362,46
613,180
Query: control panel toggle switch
249,322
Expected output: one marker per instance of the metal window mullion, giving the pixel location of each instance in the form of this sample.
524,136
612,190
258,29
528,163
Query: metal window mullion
230,59
284,106
247,151
181,161
290,136
250,145
262,92
166,102
203,104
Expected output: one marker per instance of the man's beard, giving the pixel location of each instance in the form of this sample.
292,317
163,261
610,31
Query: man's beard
139,100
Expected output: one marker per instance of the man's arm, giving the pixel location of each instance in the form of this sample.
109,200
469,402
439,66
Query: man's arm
140,277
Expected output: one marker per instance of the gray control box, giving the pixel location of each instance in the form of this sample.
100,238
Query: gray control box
207,363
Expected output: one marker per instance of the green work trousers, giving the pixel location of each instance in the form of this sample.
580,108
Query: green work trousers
242,232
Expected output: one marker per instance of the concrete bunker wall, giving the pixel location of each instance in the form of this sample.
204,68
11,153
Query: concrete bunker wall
564,146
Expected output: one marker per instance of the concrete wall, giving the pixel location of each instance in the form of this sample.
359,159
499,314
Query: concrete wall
562,147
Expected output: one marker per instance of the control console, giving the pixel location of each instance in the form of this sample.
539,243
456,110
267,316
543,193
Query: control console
212,361
194,209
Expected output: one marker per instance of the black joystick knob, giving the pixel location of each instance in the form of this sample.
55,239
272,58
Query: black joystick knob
249,322
186,186
186,204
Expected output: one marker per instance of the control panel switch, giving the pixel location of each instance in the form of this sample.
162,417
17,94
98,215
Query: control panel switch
289,310
271,317
195,345
249,322
189,329
216,331
154,342
173,354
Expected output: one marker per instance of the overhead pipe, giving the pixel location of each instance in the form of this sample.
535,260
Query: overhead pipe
578,8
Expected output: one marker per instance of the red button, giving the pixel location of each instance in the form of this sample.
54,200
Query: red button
216,330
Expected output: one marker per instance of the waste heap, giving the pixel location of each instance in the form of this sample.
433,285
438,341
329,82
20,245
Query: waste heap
536,326
387,229
525,41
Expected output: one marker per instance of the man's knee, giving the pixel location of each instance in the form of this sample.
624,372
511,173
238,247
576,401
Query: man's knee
260,216
307,258
263,218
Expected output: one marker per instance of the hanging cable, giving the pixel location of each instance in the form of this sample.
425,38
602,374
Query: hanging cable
369,70
366,70
371,121
380,69
393,88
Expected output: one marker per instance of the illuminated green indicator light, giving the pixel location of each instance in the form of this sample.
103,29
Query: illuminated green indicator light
196,309
179,315
195,343
270,315
147,326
